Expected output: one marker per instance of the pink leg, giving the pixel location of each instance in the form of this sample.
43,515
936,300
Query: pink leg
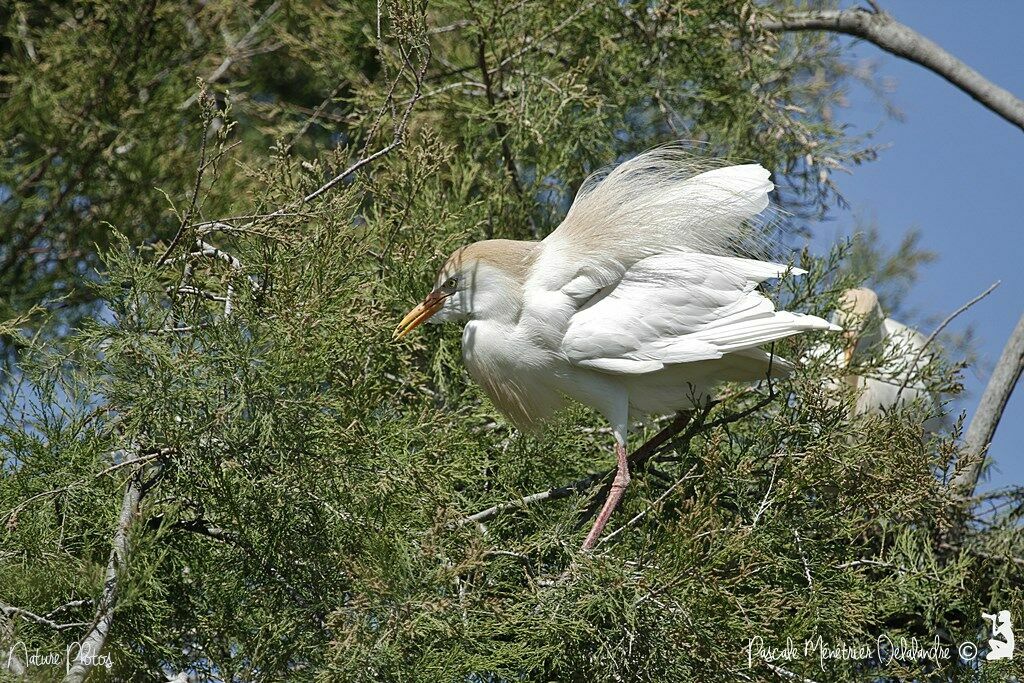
619,485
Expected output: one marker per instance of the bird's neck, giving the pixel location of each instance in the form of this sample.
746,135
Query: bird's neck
500,303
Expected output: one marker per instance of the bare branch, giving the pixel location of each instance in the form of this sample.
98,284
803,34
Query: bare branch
533,43
310,120
803,557
1019,561
885,32
11,516
208,250
194,201
67,606
990,411
872,563
11,611
556,493
398,141
678,433
400,126
92,644
204,528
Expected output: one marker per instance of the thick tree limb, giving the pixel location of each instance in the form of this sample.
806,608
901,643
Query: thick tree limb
92,644
885,32
990,410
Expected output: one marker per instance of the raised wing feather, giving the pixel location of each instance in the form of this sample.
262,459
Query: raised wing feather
680,308
661,201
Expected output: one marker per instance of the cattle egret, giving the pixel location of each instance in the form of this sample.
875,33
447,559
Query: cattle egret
895,380
638,303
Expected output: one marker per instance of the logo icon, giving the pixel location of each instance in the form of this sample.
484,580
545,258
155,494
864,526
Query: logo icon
1001,643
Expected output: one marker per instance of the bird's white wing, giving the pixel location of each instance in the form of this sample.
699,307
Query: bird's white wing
660,201
680,308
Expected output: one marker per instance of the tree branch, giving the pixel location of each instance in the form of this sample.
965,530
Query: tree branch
556,493
640,515
990,410
500,128
786,673
12,664
91,645
400,129
885,32
12,611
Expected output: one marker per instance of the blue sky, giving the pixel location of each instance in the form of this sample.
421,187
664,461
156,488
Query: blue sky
956,171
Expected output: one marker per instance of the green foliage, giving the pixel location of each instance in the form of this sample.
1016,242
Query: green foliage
306,479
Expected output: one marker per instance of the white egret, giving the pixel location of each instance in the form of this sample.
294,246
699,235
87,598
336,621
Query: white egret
636,304
896,379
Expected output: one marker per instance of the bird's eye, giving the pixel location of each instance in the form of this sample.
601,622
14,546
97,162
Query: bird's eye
451,283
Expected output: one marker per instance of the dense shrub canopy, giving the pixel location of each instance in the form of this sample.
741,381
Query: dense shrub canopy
181,322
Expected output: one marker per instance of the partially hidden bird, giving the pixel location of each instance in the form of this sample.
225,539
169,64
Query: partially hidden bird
640,302
898,352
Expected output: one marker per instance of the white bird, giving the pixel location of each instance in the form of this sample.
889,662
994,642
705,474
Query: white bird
896,378
636,304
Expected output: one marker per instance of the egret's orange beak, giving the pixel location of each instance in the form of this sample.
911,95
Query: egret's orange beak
419,315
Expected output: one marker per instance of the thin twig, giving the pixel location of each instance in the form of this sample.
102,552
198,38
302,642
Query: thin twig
766,501
803,558
74,604
400,128
667,439
920,352
315,115
13,512
637,460
787,673
556,493
1019,561
872,563
532,44
397,142
193,201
